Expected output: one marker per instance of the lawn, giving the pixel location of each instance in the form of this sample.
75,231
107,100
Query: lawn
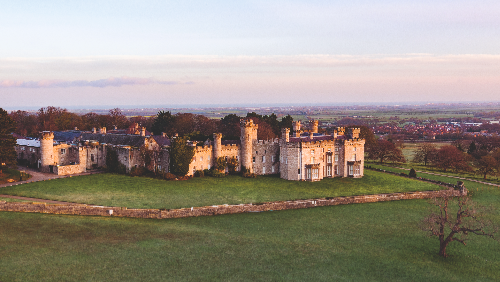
363,242
142,192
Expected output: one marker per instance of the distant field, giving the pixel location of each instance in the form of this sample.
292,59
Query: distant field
410,149
142,192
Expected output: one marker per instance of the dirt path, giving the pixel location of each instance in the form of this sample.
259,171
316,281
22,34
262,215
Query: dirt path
457,177
38,176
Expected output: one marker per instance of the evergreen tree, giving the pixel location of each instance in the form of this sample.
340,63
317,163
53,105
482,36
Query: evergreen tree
163,122
7,140
181,155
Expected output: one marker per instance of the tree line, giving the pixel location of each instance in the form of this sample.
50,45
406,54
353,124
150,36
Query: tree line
192,126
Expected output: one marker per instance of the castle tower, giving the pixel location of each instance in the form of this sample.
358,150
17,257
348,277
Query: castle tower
314,126
46,150
340,131
296,128
354,132
285,134
217,149
248,135
102,130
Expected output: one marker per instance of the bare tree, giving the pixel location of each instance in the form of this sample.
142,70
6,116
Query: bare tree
449,228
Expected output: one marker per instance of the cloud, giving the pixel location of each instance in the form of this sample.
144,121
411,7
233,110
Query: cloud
101,83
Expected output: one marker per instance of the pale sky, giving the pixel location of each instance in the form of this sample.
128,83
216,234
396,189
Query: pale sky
135,53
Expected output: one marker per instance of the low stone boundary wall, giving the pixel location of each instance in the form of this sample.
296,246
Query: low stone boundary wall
80,209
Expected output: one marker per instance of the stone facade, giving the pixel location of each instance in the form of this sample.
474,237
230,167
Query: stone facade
308,156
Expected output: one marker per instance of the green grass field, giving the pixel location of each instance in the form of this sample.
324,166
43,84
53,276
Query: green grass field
142,192
363,242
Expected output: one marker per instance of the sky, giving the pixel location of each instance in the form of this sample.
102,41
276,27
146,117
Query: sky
135,53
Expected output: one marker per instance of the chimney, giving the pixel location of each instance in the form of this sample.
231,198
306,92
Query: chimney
76,128
94,130
103,130
143,131
163,134
311,135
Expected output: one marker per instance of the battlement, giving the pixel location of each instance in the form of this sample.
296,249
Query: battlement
204,148
267,142
248,123
47,135
230,147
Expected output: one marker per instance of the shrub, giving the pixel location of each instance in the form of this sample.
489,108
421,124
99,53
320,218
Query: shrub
413,173
249,175
207,172
216,173
169,176
199,173
220,163
138,171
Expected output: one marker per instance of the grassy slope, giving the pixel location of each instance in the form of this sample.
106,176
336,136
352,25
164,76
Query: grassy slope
135,192
365,242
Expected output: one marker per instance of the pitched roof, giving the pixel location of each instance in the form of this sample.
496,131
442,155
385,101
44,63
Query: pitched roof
67,136
115,139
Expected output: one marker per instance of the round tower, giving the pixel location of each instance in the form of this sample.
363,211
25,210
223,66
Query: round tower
296,128
314,126
217,149
248,135
46,150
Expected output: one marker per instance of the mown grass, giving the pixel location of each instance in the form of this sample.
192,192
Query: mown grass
142,192
363,242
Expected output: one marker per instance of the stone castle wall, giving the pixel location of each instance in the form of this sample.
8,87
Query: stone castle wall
80,209
265,157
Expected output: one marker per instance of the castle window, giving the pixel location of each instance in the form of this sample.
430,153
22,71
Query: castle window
272,158
312,160
323,150
272,169
194,159
336,170
354,149
256,152
201,159
336,157
298,171
263,159
336,149
22,148
265,152
63,151
329,149
315,173
329,159
308,173
354,157
312,152
264,170
351,170
208,158
92,157
253,159
356,170
329,170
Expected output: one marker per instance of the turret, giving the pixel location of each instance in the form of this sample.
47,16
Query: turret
46,150
354,132
248,135
143,131
296,128
285,134
102,130
314,126
217,149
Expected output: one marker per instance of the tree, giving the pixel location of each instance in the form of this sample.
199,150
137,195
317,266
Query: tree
117,118
163,122
181,155
445,226
450,157
230,127
26,123
425,153
385,150
220,164
7,140
367,134
412,173
232,164
47,118
487,165
286,122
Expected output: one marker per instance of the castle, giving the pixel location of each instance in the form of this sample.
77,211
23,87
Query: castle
307,156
